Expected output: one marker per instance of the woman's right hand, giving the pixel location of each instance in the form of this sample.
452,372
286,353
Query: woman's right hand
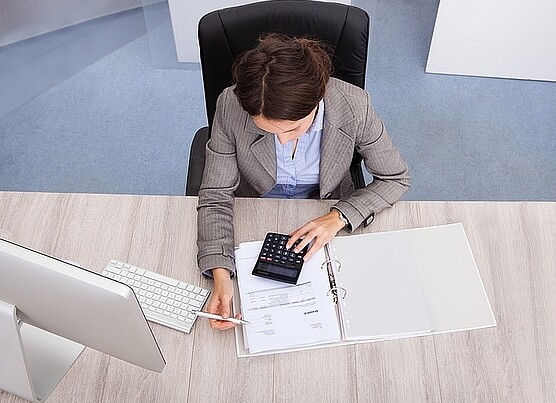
221,299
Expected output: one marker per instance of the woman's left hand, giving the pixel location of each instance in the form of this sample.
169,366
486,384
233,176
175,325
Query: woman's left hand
321,230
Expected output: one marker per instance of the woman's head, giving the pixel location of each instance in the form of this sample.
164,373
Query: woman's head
282,78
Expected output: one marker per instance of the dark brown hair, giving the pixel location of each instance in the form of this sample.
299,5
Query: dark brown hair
282,78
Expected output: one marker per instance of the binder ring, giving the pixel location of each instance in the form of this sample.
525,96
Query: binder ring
338,263
336,289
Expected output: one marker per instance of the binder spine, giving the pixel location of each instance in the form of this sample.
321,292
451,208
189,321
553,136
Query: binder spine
334,291
329,263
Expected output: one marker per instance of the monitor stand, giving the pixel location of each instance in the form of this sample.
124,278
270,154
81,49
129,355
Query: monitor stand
32,361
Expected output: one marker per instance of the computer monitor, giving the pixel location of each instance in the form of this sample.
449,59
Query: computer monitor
50,309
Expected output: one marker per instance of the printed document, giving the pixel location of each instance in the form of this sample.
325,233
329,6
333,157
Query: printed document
281,315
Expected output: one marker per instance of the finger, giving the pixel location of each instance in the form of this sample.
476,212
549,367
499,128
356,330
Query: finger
299,233
218,306
213,305
315,247
304,242
226,324
221,324
293,237
225,307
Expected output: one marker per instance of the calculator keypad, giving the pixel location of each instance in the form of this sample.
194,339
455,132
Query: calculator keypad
274,251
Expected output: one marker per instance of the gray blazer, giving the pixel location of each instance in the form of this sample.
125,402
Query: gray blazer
241,161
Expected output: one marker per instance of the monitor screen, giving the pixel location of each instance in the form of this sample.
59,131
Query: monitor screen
77,304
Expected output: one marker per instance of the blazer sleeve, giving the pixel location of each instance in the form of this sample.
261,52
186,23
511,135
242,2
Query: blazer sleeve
215,209
384,162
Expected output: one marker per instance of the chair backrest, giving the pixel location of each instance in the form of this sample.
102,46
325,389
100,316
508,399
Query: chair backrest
225,34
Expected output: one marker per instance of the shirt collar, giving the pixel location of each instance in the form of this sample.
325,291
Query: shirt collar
318,120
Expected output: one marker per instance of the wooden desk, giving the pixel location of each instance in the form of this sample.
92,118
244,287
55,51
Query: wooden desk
514,245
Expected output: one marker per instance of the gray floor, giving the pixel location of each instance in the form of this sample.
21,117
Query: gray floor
103,107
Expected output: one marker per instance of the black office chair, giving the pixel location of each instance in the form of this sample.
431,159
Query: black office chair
225,34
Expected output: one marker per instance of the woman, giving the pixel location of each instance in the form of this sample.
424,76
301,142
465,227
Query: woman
287,129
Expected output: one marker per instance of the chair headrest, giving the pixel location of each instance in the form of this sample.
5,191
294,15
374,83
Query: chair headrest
225,34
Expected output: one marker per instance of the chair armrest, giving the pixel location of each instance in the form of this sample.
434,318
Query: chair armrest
196,162
357,171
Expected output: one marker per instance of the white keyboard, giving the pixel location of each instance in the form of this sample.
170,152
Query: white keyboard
164,300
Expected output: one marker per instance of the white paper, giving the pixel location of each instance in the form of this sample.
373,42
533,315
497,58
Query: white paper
384,296
281,315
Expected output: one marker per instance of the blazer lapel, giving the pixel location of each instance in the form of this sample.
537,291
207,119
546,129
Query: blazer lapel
263,148
336,150
337,145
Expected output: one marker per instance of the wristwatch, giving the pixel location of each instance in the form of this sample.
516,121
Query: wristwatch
342,217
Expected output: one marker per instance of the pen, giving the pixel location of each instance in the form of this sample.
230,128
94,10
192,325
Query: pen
214,316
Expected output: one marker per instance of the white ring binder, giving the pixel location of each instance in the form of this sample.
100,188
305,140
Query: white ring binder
390,287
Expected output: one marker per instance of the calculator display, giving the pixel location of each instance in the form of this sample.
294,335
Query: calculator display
278,263
279,270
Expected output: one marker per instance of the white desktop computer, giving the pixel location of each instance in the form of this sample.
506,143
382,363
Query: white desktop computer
51,309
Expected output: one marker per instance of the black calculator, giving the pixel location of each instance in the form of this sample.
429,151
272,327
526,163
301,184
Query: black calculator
278,263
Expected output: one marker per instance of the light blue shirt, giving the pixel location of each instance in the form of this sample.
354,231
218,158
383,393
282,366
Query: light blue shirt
298,177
